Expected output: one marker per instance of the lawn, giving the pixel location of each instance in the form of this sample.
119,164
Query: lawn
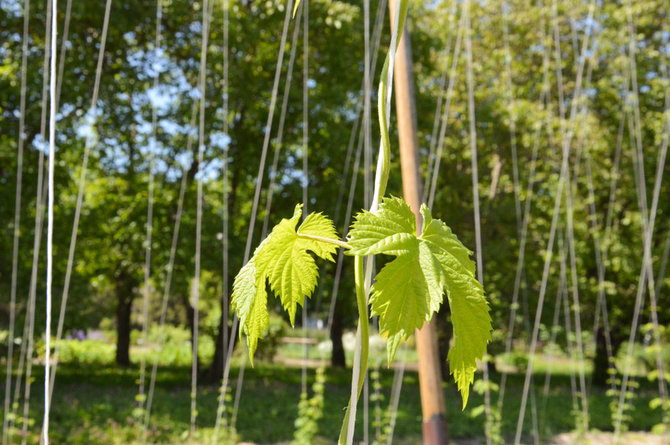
95,403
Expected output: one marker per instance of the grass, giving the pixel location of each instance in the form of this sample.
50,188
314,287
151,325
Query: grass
94,403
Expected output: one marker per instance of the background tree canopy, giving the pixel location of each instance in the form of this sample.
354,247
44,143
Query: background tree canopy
527,59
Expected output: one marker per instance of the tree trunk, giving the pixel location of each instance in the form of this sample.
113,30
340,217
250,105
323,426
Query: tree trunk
600,361
215,370
189,316
124,297
337,359
444,334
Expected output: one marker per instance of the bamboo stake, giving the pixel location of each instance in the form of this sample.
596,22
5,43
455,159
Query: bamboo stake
430,380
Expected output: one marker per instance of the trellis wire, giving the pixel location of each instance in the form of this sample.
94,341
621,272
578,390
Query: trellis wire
305,170
29,328
206,12
225,276
17,221
280,129
570,223
150,213
442,85
433,175
648,220
523,236
475,193
50,216
168,279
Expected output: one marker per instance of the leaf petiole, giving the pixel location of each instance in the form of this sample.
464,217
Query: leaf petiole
323,239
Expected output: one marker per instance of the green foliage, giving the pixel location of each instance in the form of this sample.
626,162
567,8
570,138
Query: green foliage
310,411
283,260
409,289
382,417
85,352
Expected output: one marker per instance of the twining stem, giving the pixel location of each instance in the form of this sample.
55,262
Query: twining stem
384,110
323,239
362,302
381,179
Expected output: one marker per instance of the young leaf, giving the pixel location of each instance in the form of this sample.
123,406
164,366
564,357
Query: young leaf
391,230
249,300
469,309
283,261
291,271
409,289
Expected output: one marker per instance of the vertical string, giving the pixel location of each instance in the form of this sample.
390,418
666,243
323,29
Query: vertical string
453,75
198,221
17,222
367,157
280,130
566,143
50,216
224,302
168,278
648,221
475,193
29,328
570,223
150,211
305,170
442,85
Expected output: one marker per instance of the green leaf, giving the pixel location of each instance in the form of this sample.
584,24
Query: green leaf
249,300
469,309
399,296
392,343
283,260
391,230
410,289
440,236
316,224
291,271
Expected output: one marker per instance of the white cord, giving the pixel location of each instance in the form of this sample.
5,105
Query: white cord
50,216
17,222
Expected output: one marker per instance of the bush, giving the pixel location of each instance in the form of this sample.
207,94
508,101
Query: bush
85,352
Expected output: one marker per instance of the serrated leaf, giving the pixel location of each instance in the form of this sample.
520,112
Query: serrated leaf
291,271
249,300
410,288
472,330
316,224
469,309
440,235
399,296
391,230
282,259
